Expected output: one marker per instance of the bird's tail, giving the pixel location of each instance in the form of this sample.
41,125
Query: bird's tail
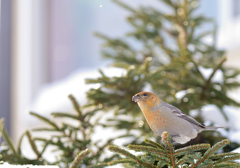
211,128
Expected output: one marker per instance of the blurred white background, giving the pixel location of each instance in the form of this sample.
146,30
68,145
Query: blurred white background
48,49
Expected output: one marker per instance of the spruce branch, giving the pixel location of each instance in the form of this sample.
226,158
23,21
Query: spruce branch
228,165
1,126
124,6
99,165
170,3
141,148
161,164
40,139
214,71
32,143
20,143
79,157
46,120
196,65
211,151
190,156
189,159
47,143
167,140
45,130
67,141
227,159
64,115
222,155
129,155
121,161
75,104
216,148
8,140
189,149
159,146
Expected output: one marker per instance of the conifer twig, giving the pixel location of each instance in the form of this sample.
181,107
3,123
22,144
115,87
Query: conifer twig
75,104
1,126
32,143
228,165
221,155
166,138
211,151
162,153
98,165
9,141
129,155
79,157
124,5
173,158
62,115
214,71
114,162
45,120
19,144
45,146
191,148
148,141
225,159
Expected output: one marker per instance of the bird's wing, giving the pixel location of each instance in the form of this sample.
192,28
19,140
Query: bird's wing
182,115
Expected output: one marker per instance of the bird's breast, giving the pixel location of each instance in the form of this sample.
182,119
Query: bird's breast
156,119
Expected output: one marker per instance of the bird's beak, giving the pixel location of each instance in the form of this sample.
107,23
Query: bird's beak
136,98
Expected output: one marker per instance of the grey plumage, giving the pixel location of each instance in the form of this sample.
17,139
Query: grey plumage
189,132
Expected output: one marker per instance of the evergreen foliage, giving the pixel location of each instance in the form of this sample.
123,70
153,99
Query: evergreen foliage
68,139
155,155
170,58
169,55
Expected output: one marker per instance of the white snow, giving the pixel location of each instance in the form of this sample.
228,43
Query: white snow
54,97
147,88
237,151
211,113
6,165
206,72
180,94
208,40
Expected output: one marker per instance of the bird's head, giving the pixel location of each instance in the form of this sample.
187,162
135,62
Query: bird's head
146,99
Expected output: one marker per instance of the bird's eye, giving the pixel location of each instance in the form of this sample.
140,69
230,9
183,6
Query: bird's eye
144,94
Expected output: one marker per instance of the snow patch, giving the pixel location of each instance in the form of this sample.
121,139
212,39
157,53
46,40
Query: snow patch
180,94
6,165
147,88
54,97
206,72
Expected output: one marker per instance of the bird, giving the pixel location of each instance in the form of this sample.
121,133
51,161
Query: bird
162,117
